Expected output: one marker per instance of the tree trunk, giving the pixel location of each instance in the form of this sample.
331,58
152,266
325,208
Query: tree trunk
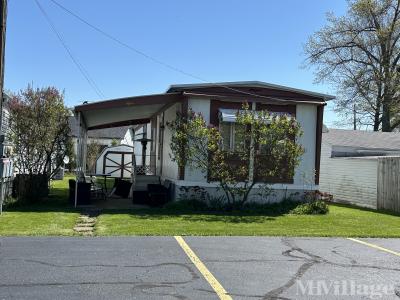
376,118
386,116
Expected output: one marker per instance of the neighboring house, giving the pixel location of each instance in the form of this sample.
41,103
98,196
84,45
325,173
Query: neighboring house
215,102
349,163
105,137
6,149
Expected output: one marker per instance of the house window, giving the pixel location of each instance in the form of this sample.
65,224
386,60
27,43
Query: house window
235,139
233,136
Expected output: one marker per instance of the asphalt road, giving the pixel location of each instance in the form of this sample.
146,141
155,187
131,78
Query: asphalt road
157,267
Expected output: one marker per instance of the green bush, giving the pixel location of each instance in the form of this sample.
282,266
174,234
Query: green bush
317,207
30,188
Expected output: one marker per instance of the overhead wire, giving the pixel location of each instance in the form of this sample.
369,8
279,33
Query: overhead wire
80,67
156,60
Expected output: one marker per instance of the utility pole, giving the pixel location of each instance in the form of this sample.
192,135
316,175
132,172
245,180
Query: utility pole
354,117
3,22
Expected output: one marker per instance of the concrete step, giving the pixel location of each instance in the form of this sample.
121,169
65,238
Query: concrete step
85,224
83,229
85,219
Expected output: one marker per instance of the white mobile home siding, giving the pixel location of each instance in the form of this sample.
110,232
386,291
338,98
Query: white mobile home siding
349,179
199,106
169,168
306,115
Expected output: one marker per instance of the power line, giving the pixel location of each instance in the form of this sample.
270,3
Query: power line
80,67
153,59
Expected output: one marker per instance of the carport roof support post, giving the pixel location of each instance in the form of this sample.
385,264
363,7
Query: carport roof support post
81,153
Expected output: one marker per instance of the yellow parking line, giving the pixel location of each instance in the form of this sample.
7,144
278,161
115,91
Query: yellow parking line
218,288
375,246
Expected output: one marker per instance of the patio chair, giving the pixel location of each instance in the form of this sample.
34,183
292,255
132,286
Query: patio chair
96,189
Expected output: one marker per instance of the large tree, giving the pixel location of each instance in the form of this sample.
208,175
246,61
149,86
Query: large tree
39,130
265,148
359,53
93,150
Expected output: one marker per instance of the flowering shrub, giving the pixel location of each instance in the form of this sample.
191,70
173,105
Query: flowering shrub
311,196
315,204
317,207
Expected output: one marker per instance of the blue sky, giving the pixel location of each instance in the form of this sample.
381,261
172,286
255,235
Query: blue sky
222,40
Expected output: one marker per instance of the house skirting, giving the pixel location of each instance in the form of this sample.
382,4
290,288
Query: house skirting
279,193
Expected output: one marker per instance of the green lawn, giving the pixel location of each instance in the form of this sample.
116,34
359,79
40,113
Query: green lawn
15,223
55,216
341,221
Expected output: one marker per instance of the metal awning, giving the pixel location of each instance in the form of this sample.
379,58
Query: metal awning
125,111
230,115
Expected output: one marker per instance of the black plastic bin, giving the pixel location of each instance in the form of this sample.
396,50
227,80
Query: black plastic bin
83,193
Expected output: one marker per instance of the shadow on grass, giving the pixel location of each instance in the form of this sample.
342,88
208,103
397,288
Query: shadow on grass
198,216
258,214
56,201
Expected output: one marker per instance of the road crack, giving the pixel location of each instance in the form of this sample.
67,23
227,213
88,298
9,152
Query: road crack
311,260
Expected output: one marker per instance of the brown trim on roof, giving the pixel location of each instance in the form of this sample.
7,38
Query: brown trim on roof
249,98
318,141
255,92
131,101
122,123
253,86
